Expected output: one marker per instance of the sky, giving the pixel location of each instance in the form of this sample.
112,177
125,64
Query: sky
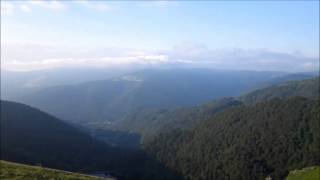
254,35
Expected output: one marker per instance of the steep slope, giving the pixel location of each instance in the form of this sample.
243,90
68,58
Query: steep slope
104,102
31,136
261,137
245,142
152,122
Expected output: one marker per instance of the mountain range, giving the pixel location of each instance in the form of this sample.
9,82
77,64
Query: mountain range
195,124
103,103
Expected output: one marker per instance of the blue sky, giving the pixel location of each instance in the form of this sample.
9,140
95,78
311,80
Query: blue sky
287,27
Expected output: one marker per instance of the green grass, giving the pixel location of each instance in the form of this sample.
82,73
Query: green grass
17,171
311,173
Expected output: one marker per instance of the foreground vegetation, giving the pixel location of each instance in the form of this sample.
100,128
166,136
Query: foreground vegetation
17,171
310,173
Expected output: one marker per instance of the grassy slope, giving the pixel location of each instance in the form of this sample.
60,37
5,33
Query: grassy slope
311,173
17,171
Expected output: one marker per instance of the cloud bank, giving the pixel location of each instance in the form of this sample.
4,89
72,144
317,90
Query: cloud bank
27,57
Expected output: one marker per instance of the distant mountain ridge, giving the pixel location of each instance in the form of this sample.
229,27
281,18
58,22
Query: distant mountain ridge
283,79
104,102
17,84
308,88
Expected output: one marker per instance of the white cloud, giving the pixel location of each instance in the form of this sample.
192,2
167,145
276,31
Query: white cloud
53,5
157,3
37,57
43,57
101,7
20,65
95,5
25,8
7,8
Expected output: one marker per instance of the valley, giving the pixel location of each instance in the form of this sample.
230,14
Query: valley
172,140
159,90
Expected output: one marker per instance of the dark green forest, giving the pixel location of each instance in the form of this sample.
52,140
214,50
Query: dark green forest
269,131
151,122
37,138
245,142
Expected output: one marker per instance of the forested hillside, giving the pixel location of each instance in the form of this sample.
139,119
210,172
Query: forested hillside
245,142
33,137
151,122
